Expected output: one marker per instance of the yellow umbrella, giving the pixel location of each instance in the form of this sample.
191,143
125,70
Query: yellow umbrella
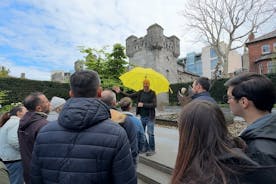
135,77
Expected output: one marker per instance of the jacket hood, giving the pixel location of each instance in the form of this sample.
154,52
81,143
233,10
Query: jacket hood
264,128
117,116
29,118
82,113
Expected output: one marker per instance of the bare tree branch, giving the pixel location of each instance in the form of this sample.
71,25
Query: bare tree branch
227,21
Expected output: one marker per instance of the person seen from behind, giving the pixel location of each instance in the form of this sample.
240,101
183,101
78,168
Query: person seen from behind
252,96
38,107
126,106
56,105
84,146
207,153
146,104
109,98
9,145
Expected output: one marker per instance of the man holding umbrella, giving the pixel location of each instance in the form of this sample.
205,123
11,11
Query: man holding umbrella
146,103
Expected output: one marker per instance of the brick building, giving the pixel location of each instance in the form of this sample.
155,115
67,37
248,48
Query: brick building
262,53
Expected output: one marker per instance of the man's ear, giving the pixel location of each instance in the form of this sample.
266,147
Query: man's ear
244,102
38,108
71,94
99,92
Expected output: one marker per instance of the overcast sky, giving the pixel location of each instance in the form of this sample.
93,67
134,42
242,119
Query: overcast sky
39,36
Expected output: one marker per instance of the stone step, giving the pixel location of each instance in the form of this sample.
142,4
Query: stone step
140,181
151,175
156,165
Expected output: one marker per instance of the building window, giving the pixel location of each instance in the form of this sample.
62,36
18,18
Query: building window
274,46
261,68
271,67
265,49
213,53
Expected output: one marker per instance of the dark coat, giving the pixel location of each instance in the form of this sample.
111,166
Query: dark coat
83,146
129,126
29,127
247,171
260,138
237,167
150,106
203,96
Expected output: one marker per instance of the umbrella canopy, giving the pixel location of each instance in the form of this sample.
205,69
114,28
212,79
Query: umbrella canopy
135,77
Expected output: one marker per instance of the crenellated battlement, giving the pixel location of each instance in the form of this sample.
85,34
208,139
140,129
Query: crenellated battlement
154,40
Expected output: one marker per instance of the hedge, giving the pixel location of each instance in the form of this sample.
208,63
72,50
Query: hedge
217,91
16,89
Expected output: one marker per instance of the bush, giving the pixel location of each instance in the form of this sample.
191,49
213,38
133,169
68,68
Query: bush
217,91
17,89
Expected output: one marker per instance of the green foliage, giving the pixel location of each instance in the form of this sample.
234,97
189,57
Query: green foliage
95,59
7,108
3,95
17,89
108,65
4,72
116,63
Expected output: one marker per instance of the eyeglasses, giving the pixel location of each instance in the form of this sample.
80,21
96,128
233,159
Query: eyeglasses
227,98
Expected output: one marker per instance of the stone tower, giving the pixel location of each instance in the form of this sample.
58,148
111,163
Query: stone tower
155,51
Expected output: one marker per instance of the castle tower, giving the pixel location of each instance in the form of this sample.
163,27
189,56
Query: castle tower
156,51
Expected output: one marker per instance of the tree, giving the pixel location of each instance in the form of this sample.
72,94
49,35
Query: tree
4,72
109,65
116,63
95,59
227,21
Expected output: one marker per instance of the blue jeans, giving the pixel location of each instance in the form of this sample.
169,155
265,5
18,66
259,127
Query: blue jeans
141,139
16,172
146,122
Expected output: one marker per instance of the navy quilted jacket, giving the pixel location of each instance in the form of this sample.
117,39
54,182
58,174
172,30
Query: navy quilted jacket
84,146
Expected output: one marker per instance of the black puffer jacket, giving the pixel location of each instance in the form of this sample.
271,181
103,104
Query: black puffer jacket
84,146
260,138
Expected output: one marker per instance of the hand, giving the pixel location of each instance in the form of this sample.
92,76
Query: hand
140,104
116,89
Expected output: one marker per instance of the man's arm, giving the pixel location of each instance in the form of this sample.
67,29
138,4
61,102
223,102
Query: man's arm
118,90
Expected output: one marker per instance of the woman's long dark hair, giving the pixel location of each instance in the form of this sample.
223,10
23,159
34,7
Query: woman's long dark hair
6,116
203,137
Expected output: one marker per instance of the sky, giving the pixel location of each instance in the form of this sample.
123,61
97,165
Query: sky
41,36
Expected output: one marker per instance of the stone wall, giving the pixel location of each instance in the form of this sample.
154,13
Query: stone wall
159,52
156,51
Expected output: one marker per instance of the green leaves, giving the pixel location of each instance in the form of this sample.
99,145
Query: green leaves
4,72
109,65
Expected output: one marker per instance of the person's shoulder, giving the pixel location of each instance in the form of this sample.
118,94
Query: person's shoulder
152,91
108,126
50,126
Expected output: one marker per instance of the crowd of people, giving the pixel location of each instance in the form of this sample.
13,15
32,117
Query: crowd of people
92,138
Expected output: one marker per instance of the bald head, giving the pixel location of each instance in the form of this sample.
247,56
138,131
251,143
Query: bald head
108,97
146,85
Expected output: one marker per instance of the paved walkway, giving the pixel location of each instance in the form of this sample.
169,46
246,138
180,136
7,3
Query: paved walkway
166,145
166,140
